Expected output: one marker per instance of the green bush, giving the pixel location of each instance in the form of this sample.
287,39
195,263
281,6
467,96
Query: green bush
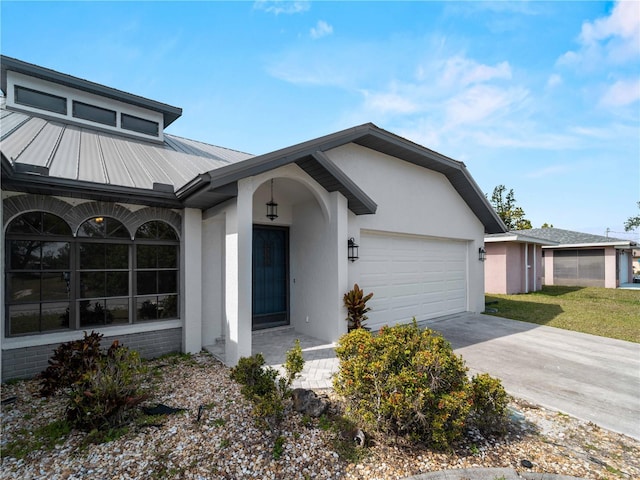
101,399
262,385
489,410
406,381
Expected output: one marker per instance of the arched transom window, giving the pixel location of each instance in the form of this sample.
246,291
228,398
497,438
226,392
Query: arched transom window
101,277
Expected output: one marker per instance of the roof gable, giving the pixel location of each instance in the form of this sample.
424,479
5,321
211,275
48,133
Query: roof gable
219,185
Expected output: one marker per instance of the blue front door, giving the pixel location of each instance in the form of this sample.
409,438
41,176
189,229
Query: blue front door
270,277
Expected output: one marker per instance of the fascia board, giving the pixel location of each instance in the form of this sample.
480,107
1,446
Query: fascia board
74,188
583,245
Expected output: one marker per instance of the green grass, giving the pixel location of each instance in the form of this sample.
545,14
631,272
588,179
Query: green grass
605,312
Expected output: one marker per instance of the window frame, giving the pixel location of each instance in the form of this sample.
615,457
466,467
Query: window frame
17,100
74,298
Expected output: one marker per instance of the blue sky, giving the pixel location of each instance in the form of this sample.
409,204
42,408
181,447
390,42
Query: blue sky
543,97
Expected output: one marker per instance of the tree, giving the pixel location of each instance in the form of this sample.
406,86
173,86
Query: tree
632,222
504,204
547,225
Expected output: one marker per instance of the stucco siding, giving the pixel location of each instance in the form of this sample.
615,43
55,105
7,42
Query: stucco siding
212,279
413,200
495,277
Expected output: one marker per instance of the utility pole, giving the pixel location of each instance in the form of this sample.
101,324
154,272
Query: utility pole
606,234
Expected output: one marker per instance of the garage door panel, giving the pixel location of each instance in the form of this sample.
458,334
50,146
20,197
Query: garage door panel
412,277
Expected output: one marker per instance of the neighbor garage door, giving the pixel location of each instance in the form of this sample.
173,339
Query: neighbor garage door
412,277
584,268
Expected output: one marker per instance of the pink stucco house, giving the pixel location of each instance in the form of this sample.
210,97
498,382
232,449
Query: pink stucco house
514,263
553,256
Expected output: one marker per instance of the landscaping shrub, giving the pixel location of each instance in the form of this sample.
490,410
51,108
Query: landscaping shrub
70,361
105,394
489,409
262,385
407,381
355,302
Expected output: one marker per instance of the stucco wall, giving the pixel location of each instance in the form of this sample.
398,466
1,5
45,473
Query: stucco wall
495,268
412,200
212,279
506,271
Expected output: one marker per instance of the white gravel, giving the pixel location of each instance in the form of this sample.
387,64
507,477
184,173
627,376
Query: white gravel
227,444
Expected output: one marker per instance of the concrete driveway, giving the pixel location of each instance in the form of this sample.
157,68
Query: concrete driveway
588,377
592,378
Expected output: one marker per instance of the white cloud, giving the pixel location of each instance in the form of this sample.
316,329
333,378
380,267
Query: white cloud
282,6
389,103
608,40
480,102
554,80
550,171
621,93
322,29
463,71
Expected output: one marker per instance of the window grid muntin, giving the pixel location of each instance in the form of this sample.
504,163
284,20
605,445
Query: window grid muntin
55,321
169,301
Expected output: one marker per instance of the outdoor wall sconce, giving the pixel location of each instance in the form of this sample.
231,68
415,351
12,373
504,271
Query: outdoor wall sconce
482,254
352,250
272,207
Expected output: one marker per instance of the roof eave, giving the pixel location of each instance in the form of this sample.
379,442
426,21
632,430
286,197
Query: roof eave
628,244
45,185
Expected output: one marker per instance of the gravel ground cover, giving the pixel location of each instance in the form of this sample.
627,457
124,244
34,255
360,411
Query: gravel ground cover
226,443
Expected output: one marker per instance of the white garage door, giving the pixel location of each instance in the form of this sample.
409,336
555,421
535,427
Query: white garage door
412,277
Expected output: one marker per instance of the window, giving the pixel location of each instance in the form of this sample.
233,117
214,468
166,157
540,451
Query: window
103,272
140,125
94,114
38,273
41,100
157,260
57,282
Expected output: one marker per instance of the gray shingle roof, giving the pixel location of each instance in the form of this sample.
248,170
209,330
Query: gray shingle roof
569,237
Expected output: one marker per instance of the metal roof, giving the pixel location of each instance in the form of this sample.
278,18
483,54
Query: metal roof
63,151
42,155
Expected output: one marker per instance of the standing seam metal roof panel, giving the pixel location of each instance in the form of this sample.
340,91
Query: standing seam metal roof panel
21,138
114,164
90,166
201,149
40,150
140,175
65,161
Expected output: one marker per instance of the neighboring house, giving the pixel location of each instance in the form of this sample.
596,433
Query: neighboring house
164,243
513,263
636,263
582,259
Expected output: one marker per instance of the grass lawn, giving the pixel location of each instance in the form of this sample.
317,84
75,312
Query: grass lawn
600,311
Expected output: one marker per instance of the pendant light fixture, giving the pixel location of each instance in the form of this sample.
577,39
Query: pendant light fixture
272,207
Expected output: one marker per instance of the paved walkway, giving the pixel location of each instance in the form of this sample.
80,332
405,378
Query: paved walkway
592,378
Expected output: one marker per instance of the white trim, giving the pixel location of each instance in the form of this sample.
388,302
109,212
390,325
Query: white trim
589,245
12,343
